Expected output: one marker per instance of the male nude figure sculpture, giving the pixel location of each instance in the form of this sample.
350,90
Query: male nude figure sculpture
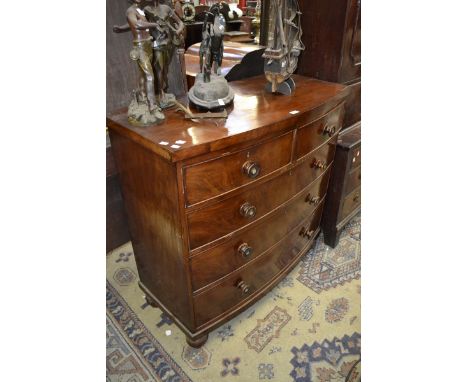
142,53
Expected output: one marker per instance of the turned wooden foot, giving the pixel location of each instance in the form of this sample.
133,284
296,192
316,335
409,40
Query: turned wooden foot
196,342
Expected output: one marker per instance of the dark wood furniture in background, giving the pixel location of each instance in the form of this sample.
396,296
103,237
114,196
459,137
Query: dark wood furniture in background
332,36
240,61
344,193
220,210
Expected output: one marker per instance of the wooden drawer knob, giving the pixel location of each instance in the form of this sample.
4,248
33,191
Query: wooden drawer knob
330,130
247,210
356,198
312,199
306,233
245,250
317,163
251,169
243,286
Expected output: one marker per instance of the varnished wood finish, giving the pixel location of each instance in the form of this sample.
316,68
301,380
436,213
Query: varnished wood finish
216,222
217,176
208,224
255,114
318,132
226,295
149,186
344,195
211,265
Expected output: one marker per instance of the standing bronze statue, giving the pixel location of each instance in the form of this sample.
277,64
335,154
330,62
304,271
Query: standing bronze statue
167,29
212,47
143,109
211,90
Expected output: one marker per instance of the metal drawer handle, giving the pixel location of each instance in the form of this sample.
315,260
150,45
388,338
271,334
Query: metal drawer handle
245,250
330,130
251,169
243,286
312,199
247,210
318,164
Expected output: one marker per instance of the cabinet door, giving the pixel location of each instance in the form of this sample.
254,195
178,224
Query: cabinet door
351,53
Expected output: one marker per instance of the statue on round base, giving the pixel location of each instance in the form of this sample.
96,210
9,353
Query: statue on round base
211,95
211,90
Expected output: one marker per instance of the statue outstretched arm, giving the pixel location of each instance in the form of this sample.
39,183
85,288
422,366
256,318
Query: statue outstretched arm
121,28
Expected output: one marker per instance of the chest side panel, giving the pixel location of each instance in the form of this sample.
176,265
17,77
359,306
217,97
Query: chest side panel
150,191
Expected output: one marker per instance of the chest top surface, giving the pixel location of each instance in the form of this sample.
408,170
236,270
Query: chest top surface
254,114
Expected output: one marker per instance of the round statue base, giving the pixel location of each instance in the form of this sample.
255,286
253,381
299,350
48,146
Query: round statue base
211,95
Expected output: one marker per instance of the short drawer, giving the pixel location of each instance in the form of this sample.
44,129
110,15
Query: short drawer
248,281
355,156
224,217
353,180
316,133
350,203
215,263
220,175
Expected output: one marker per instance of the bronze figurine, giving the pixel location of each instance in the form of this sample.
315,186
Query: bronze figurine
167,31
211,91
143,109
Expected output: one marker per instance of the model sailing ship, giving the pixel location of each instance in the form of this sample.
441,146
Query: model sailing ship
284,45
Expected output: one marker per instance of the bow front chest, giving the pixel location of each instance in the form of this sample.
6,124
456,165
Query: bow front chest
221,209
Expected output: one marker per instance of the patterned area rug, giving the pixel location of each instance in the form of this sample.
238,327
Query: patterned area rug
305,329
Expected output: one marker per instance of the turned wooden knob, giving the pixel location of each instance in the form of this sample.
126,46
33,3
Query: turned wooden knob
330,130
312,199
317,163
245,288
251,169
306,233
247,210
245,250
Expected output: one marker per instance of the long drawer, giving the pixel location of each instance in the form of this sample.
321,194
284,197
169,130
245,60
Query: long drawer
242,248
224,217
240,285
353,180
350,203
217,176
316,133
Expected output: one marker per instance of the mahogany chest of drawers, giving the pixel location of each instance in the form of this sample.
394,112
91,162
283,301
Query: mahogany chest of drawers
344,195
220,210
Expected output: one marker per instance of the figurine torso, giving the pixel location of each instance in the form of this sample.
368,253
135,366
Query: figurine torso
160,15
138,34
